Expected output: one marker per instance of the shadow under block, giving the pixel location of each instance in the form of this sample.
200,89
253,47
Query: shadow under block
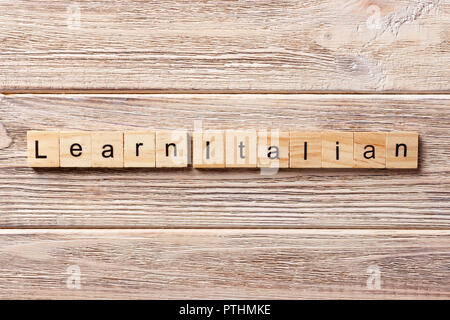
139,149
402,150
273,149
369,149
172,149
43,149
107,149
240,150
337,150
208,149
305,149
75,149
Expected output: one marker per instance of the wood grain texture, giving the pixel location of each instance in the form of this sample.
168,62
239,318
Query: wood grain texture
288,46
226,198
214,264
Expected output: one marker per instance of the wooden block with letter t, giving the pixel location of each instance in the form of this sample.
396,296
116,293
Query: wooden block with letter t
240,150
305,149
107,149
369,149
75,149
273,149
402,150
172,149
337,150
209,149
43,148
139,149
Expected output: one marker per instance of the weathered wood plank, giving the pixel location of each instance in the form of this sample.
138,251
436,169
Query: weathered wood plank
318,45
213,264
220,198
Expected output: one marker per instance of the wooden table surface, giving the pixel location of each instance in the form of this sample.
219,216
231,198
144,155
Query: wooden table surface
225,233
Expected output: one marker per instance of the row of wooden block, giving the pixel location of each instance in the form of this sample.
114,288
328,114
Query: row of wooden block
223,149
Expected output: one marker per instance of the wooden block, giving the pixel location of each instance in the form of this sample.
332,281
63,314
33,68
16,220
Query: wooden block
75,149
369,149
171,149
139,149
337,149
240,150
273,149
402,150
305,149
209,149
107,149
43,148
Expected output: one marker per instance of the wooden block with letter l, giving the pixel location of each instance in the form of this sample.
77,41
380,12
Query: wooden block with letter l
209,149
43,148
139,149
273,149
305,149
241,148
337,149
172,149
107,149
75,149
402,150
369,149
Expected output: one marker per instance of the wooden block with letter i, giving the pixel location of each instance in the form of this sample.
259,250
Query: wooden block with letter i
75,149
43,148
402,150
139,149
369,149
107,149
337,150
305,149
240,150
273,149
172,149
209,149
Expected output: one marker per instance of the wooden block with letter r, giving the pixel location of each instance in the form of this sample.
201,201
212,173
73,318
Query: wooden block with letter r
402,150
139,149
43,148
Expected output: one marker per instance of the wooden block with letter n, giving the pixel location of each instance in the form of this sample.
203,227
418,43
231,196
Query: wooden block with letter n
172,149
305,149
139,149
337,150
43,148
209,149
241,148
402,150
75,149
107,149
369,149
273,149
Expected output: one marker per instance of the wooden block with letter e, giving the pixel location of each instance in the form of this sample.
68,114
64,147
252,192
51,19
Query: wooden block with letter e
305,149
43,148
369,149
273,149
337,149
209,149
139,149
402,150
241,148
107,149
75,149
172,149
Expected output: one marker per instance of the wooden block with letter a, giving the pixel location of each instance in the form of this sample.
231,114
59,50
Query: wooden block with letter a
139,149
337,150
273,149
172,149
75,149
209,149
107,149
240,150
305,149
43,148
369,149
402,150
